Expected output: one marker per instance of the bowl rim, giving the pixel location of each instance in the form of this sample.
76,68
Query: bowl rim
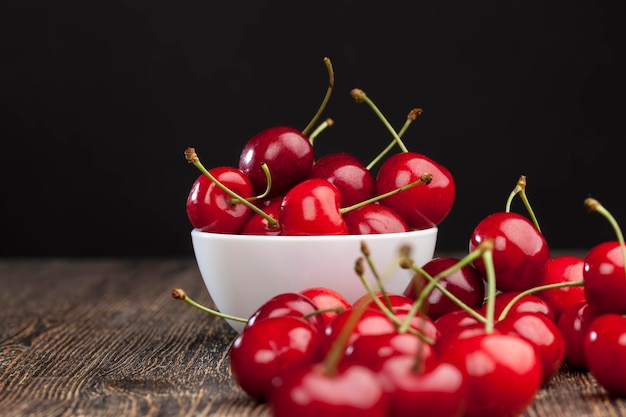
197,233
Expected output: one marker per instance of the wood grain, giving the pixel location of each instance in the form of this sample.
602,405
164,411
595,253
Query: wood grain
104,337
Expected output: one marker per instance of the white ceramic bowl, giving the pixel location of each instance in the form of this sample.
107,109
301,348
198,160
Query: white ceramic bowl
241,272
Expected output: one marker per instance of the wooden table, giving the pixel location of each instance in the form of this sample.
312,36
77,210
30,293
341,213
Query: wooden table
104,337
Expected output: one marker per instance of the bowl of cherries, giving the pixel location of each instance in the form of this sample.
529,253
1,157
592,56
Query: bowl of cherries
286,219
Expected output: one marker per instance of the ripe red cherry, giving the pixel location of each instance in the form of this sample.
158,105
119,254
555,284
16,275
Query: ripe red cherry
327,300
573,324
263,352
465,283
605,278
211,209
563,269
423,206
502,373
354,181
529,303
542,333
520,253
374,218
259,225
311,207
312,391
605,352
287,153
288,304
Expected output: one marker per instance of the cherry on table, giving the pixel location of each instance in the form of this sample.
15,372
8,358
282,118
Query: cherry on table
605,352
573,323
605,278
328,301
563,269
291,304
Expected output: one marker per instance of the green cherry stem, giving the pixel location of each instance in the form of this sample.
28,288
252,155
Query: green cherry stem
487,257
268,187
409,119
359,96
329,90
594,205
520,190
322,126
365,250
180,294
192,158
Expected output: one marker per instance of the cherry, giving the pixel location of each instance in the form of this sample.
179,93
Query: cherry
420,207
374,218
562,269
465,283
313,391
605,352
354,181
260,225
286,151
433,389
542,333
211,209
259,354
397,303
520,255
605,279
328,301
522,303
370,322
573,323
288,304
502,373
311,207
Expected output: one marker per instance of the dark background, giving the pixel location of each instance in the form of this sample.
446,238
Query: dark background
99,99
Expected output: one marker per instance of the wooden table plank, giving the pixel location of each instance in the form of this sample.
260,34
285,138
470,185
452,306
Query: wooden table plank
104,337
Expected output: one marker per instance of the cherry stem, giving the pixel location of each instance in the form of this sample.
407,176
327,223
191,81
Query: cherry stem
522,294
520,189
360,96
326,123
487,257
338,346
433,282
268,187
425,178
365,250
594,205
180,294
192,158
329,90
409,119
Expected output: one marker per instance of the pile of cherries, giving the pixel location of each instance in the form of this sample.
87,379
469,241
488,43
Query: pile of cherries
471,336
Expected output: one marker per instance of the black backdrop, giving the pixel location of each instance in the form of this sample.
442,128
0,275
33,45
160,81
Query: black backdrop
99,99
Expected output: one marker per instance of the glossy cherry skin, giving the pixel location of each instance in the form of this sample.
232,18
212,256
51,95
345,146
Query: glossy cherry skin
311,208
355,391
465,283
543,334
210,209
370,322
374,218
287,153
605,352
573,324
422,206
259,225
327,300
354,181
263,352
502,373
520,253
397,303
529,303
436,390
605,278
291,304
563,269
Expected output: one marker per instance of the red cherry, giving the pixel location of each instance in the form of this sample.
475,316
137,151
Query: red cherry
605,278
327,300
259,225
287,153
542,333
520,252
563,269
261,353
397,303
374,218
354,181
211,209
529,303
421,207
502,373
465,283
605,352
288,304
354,391
454,320
436,390
371,322
312,208
573,324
